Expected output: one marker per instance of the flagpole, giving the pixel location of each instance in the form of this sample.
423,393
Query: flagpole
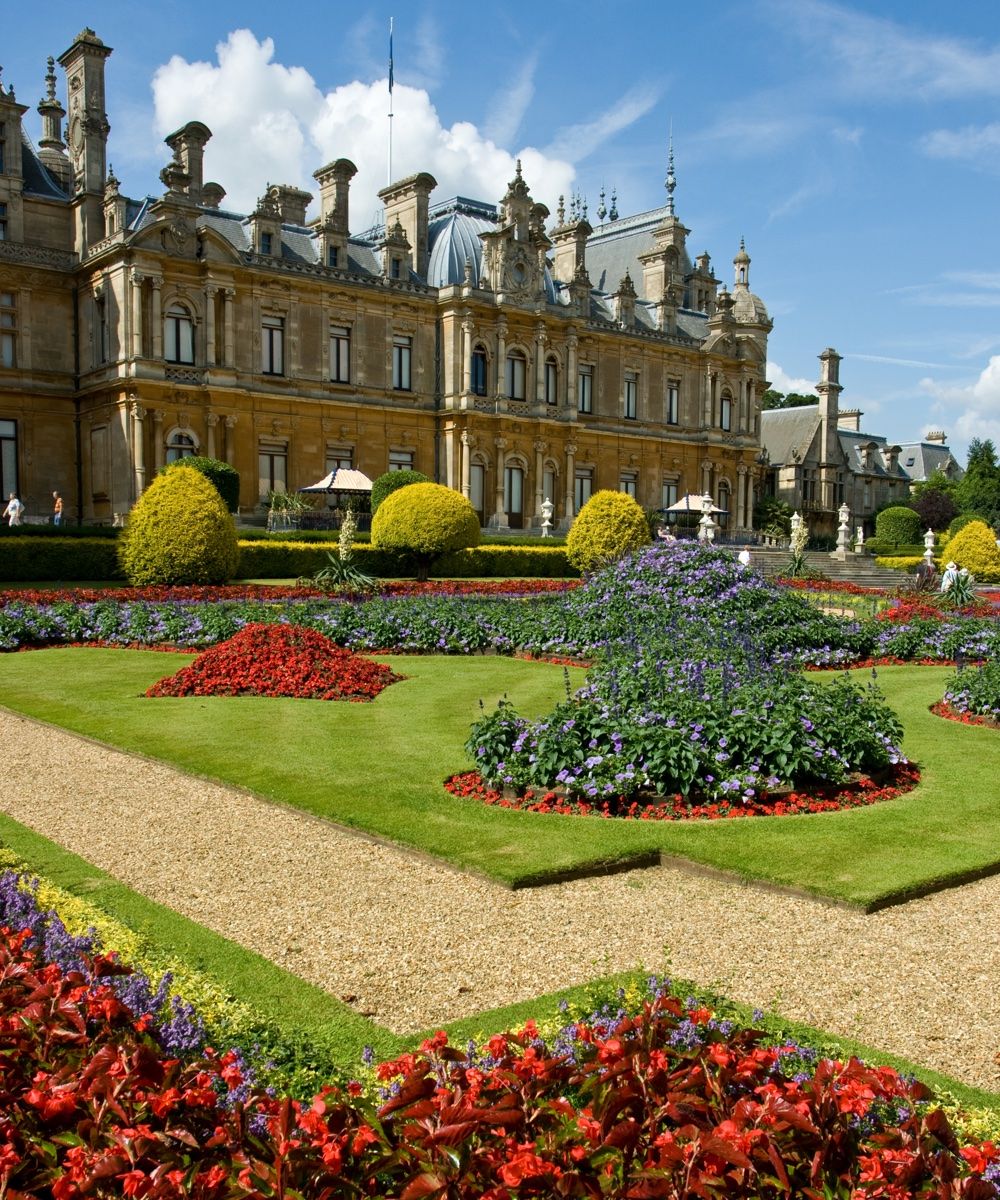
389,170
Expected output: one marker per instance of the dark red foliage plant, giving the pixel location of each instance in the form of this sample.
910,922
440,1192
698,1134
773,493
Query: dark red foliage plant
278,660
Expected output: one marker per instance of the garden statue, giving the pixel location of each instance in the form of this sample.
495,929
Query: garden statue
843,533
929,546
547,510
859,540
706,526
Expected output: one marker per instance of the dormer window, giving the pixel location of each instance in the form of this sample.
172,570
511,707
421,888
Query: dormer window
332,256
395,269
266,241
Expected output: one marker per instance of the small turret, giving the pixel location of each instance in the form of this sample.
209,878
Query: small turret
51,147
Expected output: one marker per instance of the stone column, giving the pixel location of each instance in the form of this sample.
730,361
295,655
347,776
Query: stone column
741,483
229,350
466,357
156,318
499,516
228,452
570,380
540,340
540,448
501,370
570,484
466,441
210,294
211,420
709,410
159,450
449,455
706,479
137,279
137,413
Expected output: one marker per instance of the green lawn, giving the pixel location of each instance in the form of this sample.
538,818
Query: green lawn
379,767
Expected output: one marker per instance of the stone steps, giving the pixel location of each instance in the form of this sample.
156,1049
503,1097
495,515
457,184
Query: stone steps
857,569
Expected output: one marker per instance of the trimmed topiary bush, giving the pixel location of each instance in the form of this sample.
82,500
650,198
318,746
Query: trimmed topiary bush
962,520
391,481
898,526
609,526
423,521
179,532
224,478
975,548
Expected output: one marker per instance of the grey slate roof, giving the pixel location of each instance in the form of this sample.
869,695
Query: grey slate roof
783,430
921,459
851,443
614,248
37,180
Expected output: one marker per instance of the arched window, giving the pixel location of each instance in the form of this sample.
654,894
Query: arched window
180,445
517,374
513,495
725,502
477,489
551,381
479,368
178,335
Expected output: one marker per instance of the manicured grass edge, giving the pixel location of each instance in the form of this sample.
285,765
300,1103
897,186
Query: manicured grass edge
274,993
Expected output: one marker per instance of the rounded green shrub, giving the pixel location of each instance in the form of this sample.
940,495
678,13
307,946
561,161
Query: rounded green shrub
423,521
898,526
962,520
179,532
224,478
975,548
391,481
609,526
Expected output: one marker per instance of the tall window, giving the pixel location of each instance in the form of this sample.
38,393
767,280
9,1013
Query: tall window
725,502
585,390
102,338
400,460
513,496
402,350
332,256
3,218
517,370
395,269
178,335
631,395
180,445
266,243
8,458
3,147
583,487
668,494
339,458
8,330
272,468
340,354
628,483
272,346
726,412
479,371
477,488
551,381
549,485
673,404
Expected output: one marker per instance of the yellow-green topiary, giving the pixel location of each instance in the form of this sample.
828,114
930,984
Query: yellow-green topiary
423,521
179,532
609,526
975,548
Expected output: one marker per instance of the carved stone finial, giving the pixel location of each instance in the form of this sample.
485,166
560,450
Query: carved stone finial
50,79
613,214
671,180
561,210
602,210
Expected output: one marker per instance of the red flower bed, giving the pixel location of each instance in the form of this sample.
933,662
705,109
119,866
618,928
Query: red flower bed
904,611
964,718
819,799
859,664
478,587
668,1103
828,585
278,660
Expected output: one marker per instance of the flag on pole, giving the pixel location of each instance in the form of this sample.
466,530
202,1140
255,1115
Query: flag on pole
390,55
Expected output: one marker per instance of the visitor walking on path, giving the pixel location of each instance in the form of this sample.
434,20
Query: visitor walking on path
13,510
57,508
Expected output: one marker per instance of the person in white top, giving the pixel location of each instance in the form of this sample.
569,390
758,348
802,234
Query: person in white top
13,510
744,557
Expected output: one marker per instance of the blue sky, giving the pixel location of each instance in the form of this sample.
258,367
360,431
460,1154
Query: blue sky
856,146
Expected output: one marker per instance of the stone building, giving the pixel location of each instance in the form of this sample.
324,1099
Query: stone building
819,458
507,355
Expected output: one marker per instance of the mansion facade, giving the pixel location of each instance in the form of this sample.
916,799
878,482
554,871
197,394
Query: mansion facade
508,355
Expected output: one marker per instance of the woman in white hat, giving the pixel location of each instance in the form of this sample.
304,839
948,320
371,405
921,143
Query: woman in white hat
949,576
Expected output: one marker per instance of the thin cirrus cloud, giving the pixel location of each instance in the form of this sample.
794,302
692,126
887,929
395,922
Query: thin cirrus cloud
293,127
876,56
978,144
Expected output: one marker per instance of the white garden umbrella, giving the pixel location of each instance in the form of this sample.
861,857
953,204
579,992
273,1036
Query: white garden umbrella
342,480
691,503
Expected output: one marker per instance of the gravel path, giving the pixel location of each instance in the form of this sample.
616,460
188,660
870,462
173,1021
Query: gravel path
415,944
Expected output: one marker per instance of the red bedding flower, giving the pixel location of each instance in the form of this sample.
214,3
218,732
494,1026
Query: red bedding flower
278,660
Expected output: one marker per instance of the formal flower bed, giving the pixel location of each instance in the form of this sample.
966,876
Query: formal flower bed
278,660
941,709
667,1102
818,799
975,692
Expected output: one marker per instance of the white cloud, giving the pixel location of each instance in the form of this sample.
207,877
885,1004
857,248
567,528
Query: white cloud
781,381
978,144
878,56
511,103
271,123
973,408
795,200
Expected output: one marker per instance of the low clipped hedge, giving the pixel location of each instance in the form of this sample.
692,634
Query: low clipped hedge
882,546
59,559
58,531
900,562
284,560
